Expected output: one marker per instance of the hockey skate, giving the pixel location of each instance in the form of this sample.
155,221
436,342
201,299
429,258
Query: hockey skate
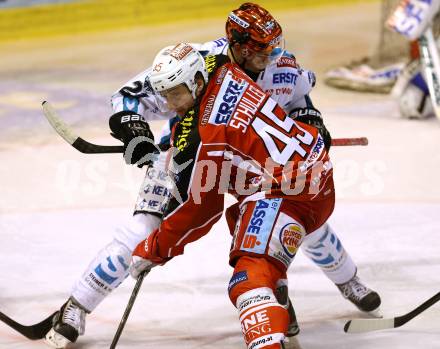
360,295
68,324
291,342
292,331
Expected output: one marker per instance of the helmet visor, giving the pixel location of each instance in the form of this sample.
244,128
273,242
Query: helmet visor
272,52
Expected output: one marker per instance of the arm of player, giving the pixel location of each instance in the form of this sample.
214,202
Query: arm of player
190,215
138,96
134,105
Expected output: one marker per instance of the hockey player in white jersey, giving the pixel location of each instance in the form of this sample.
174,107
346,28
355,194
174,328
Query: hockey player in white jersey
250,29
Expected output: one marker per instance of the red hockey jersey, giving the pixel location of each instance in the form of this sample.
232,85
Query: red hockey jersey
238,140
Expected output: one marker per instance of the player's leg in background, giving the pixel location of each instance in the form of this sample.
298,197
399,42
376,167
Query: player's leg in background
325,249
282,295
109,268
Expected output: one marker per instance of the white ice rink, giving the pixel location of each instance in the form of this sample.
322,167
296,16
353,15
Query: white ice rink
185,304
59,207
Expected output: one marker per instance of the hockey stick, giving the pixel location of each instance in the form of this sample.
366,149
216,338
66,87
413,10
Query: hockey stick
32,332
367,325
127,311
70,137
89,148
431,64
341,142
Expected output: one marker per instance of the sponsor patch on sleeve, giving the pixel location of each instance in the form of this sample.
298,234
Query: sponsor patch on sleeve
237,278
287,62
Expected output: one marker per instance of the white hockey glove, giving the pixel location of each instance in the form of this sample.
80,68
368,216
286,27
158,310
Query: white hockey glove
139,265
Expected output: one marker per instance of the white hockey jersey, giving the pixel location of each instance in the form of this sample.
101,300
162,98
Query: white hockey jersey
283,79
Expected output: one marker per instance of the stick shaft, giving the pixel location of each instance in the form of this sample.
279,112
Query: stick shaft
401,320
85,147
368,325
128,308
341,142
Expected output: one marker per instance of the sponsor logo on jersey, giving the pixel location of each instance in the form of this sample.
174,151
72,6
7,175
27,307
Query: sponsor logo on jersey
248,106
186,125
251,301
227,99
131,104
221,75
260,226
287,62
279,91
180,51
207,110
314,154
290,237
265,340
220,42
238,20
284,78
210,63
255,325
236,279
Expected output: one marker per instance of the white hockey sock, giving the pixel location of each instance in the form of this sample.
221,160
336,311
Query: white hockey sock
325,249
110,266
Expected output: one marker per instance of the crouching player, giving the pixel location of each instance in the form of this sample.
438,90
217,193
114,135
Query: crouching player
235,138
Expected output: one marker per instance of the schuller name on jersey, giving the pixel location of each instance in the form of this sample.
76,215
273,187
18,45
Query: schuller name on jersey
235,104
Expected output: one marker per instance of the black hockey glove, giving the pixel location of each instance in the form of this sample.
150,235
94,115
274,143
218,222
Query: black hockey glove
132,130
313,117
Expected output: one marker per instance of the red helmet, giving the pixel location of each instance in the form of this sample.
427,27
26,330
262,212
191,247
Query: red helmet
253,26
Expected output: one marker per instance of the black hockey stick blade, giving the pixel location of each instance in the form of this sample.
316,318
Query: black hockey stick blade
73,139
127,311
32,332
368,325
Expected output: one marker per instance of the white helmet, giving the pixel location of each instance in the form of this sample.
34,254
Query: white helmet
175,65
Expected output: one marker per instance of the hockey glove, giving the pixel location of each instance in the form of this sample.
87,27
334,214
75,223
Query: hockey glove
132,130
145,255
313,117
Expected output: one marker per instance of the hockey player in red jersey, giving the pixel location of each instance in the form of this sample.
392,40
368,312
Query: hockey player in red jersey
255,43
239,140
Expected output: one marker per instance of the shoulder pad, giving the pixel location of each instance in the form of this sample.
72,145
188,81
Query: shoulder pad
214,61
